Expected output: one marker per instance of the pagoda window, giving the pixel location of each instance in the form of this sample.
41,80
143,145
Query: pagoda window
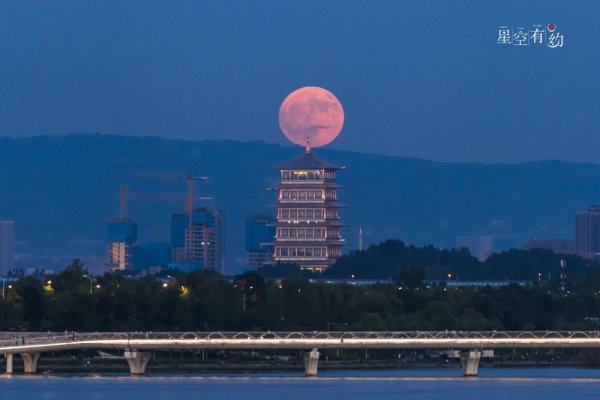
284,232
301,213
284,252
293,194
293,232
301,233
309,213
287,175
302,194
293,213
318,194
285,194
310,194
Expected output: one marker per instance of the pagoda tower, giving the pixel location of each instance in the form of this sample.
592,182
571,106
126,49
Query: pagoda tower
308,220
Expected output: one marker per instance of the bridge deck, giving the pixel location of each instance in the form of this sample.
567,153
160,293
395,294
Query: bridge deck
12,342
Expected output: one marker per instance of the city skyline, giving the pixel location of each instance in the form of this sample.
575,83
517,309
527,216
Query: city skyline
228,195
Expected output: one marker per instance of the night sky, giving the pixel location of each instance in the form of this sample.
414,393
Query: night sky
416,78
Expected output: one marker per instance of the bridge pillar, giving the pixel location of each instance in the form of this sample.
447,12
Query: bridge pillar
469,360
311,363
30,362
137,361
9,364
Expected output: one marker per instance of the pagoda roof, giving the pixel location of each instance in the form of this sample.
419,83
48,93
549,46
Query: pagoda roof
307,161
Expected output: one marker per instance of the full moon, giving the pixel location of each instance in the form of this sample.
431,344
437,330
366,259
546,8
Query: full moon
311,112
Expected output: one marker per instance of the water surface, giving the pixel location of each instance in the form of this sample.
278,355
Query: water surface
492,384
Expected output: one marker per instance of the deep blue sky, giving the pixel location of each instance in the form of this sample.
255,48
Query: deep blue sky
416,78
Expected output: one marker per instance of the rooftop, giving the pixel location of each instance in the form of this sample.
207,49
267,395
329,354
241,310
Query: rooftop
307,161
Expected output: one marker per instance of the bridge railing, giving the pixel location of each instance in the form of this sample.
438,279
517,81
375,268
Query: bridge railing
29,338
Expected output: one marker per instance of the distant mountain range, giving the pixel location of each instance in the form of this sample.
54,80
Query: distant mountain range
61,191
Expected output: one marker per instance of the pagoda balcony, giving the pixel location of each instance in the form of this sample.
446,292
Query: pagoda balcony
304,184
285,223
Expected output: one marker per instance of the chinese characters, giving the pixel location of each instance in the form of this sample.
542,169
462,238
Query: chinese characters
536,35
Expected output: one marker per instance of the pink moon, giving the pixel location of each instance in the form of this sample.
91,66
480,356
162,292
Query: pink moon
311,112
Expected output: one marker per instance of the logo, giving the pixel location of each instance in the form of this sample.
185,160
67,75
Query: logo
536,35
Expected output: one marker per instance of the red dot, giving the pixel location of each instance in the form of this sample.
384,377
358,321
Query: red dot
551,27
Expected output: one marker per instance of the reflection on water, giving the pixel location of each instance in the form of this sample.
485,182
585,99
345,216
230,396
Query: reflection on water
493,383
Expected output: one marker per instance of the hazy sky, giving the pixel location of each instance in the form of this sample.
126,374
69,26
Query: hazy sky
416,78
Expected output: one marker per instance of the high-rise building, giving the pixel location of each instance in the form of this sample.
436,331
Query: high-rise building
122,234
308,220
587,232
480,246
197,239
260,233
7,246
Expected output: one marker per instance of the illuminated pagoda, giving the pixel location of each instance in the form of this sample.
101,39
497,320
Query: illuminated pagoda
308,219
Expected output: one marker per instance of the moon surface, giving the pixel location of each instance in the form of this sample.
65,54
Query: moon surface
311,112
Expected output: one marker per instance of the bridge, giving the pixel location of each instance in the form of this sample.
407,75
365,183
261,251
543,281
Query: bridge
137,346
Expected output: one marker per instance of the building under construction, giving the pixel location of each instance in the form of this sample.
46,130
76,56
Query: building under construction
260,233
122,235
197,239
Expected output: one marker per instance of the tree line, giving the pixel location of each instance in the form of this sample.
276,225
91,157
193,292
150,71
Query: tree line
205,301
393,257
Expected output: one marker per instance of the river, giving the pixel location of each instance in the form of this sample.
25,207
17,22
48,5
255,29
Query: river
427,384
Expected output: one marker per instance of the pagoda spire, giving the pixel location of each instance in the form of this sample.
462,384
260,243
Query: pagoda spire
307,144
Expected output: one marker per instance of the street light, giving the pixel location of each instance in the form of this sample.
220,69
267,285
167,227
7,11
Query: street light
91,283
